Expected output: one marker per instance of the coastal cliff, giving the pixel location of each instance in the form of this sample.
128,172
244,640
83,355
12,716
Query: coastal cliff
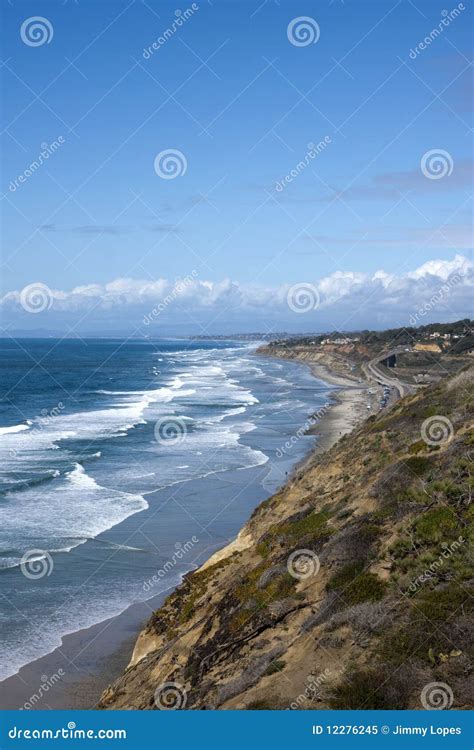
349,588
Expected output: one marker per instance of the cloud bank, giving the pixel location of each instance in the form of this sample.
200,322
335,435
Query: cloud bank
442,289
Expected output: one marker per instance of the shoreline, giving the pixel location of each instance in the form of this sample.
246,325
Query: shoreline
346,412
52,681
347,409
110,644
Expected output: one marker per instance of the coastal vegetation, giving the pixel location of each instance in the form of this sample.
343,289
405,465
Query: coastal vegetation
382,605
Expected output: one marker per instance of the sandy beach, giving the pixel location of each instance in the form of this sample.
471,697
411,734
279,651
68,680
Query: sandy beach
349,400
348,409
75,674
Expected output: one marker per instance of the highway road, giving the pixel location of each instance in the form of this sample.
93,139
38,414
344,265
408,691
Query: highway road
372,370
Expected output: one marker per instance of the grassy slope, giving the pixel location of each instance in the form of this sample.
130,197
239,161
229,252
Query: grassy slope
380,509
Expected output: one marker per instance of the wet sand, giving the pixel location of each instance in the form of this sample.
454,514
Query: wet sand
75,674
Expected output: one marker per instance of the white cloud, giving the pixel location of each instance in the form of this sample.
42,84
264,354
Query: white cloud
442,268
349,298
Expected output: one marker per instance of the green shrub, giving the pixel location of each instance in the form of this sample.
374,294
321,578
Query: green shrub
261,705
417,465
430,627
437,525
275,667
370,689
263,549
354,585
314,524
418,447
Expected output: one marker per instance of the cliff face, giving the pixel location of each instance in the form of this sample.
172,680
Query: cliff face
349,588
333,357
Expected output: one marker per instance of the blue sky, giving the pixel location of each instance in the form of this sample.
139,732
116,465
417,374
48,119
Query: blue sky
241,102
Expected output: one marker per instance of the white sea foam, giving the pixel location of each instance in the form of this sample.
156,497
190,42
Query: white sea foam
213,389
74,508
28,444
14,428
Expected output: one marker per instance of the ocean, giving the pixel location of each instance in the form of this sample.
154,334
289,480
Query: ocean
125,464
